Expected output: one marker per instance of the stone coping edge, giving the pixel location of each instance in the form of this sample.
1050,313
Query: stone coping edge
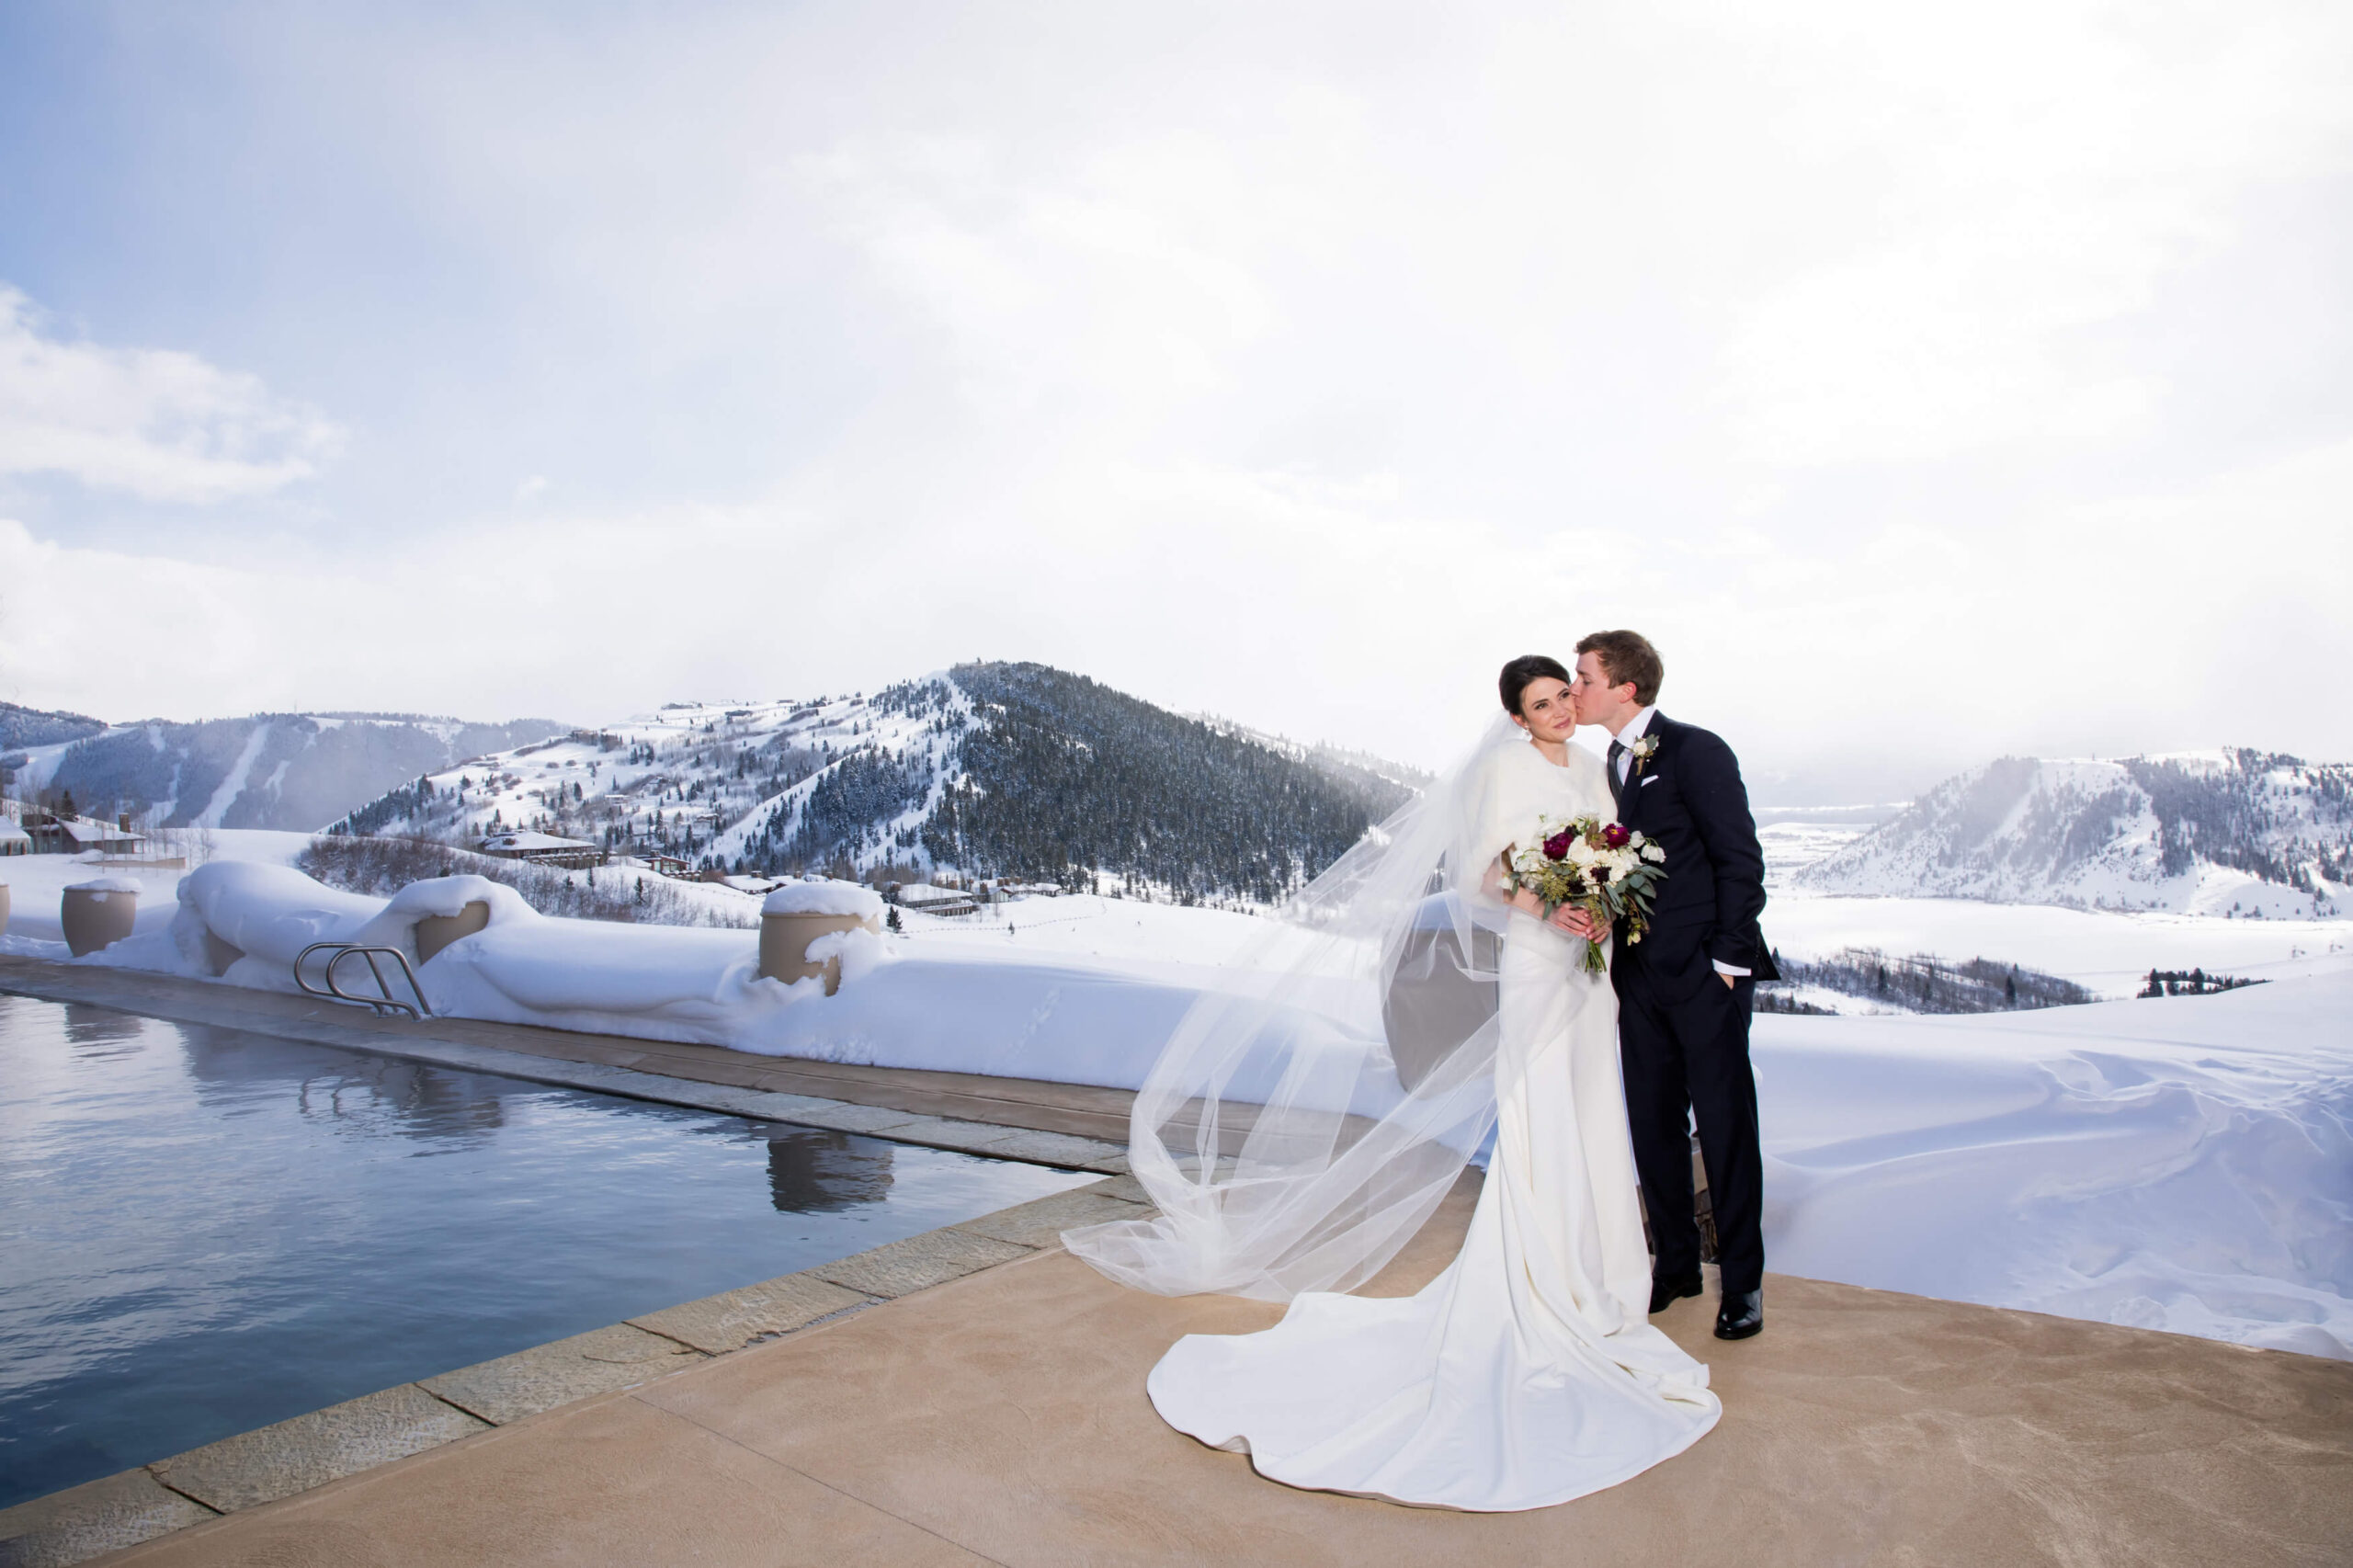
292,1456
1024,1146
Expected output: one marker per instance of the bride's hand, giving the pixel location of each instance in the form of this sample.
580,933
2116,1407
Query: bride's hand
1576,921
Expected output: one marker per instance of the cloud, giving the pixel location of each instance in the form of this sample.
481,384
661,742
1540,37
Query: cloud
2089,626
1931,385
156,424
2019,185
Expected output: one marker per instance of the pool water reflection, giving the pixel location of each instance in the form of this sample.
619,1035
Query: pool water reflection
204,1231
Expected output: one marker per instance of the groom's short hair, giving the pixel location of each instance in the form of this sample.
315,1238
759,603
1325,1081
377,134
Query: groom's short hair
1628,657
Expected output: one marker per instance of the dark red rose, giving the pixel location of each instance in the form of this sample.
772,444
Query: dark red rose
1558,844
1616,834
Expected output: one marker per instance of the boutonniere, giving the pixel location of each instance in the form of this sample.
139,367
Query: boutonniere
1642,751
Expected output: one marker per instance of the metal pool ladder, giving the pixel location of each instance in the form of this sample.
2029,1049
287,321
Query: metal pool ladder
385,1003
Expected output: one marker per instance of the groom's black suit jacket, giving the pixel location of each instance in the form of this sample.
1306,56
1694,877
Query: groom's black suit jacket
1688,799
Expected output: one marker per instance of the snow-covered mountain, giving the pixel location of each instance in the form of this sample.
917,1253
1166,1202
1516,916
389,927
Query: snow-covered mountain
2232,832
988,769
295,771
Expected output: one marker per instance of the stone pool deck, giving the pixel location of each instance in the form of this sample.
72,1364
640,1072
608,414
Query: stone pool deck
990,1407
1001,1418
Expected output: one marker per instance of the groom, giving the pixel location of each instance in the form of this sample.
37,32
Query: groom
1685,991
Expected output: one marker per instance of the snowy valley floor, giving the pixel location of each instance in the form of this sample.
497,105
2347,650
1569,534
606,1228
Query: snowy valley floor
2184,1164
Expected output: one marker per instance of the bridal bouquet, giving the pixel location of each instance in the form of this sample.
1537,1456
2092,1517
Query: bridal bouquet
1607,869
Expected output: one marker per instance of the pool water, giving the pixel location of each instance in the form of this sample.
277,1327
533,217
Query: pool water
204,1230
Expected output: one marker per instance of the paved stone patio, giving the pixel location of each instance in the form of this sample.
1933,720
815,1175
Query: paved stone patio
1001,1417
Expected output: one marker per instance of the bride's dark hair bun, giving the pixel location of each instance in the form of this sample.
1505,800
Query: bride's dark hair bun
1521,673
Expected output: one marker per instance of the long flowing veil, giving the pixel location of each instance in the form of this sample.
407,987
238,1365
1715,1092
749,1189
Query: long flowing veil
1304,1122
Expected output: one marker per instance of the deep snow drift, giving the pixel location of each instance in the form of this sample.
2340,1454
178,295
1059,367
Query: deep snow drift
2184,1164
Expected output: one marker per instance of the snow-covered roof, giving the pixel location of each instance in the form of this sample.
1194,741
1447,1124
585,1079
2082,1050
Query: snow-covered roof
10,832
524,840
924,893
81,830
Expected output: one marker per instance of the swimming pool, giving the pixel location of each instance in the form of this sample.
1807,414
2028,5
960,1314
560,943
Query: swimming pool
204,1230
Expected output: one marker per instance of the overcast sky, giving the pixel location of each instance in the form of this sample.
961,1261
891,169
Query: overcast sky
1929,382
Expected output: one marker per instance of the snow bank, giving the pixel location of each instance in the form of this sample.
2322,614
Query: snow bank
824,898
2105,950
2184,1164
267,913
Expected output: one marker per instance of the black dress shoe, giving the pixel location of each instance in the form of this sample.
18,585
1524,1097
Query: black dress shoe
1668,1288
1741,1315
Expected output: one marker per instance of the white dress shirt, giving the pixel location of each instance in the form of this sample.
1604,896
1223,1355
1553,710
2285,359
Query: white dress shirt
1627,737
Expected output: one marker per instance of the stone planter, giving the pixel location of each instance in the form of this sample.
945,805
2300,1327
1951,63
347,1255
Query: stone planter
96,918
784,946
3,909
436,932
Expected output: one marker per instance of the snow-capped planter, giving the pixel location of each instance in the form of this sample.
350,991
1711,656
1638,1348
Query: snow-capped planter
98,915
793,917
435,932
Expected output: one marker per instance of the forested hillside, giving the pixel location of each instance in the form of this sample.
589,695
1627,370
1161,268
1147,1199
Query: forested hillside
985,770
22,727
1056,771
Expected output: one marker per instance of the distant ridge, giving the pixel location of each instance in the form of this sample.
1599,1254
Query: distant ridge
22,727
297,771
2231,832
1015,770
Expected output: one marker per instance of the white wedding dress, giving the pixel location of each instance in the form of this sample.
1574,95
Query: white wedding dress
1529,1372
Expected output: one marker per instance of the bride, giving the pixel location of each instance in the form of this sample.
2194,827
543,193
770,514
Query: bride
1298,1130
